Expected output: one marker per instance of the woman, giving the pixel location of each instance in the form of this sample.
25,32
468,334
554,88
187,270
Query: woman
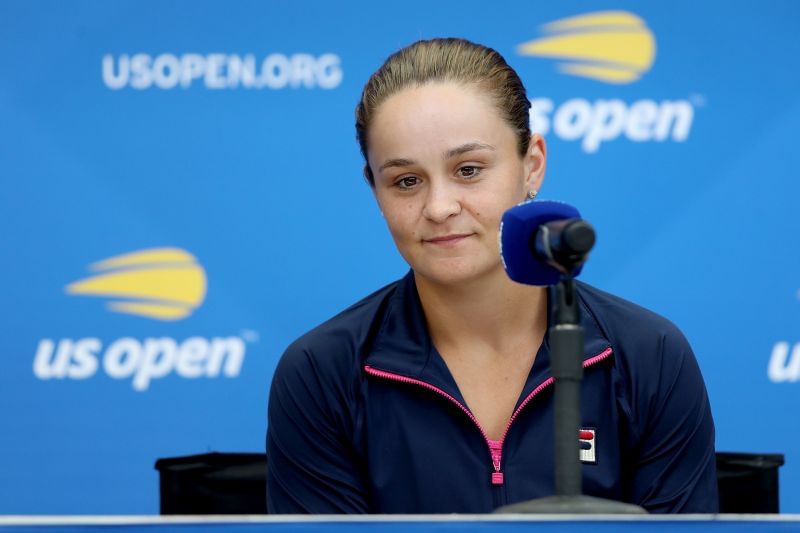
433,395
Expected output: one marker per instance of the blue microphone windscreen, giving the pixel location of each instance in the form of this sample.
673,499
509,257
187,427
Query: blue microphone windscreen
517,227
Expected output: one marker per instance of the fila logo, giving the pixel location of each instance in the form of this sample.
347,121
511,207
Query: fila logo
586,438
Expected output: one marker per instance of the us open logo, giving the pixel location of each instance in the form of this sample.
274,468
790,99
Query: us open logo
784,362
158,283
163,284
610,47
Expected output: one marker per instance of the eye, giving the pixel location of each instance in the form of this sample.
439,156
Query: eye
468,171
406,183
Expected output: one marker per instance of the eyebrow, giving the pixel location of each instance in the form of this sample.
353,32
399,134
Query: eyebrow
399,162
467,147
453,152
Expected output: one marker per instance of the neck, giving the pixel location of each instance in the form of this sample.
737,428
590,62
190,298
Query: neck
491,311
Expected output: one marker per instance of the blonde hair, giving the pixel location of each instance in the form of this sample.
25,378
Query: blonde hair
446,60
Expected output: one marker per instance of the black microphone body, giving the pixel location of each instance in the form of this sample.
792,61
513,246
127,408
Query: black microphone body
563,244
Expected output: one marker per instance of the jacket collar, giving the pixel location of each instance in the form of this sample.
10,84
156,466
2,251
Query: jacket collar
403,346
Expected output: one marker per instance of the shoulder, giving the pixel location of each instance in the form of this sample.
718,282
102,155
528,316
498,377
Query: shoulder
666,430
650,351
624,322
336,346
653,361
628,325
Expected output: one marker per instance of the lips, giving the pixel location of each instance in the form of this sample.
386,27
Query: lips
448,240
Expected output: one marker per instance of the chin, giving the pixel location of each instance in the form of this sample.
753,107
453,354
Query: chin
454,272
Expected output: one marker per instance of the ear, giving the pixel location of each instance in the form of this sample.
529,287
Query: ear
535,162
367,172
367,175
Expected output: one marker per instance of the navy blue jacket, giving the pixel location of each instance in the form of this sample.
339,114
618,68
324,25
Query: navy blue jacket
364,417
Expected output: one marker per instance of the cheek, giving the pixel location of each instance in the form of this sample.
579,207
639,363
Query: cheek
488,214
488,210
401,221
503,199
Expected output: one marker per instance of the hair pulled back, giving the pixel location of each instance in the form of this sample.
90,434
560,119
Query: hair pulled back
446,60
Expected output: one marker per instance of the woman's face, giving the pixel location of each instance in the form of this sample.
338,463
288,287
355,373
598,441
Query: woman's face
446,167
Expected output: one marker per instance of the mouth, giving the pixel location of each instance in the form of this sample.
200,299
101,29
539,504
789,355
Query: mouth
447,240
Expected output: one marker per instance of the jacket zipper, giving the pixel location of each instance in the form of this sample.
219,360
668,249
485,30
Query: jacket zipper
495,446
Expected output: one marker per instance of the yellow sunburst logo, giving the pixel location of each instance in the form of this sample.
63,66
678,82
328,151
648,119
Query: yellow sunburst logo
609,46
158,283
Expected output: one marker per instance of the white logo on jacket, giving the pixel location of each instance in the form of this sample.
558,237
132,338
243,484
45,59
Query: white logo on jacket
586,438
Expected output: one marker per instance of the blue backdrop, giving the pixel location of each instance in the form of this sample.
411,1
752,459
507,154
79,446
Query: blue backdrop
182,197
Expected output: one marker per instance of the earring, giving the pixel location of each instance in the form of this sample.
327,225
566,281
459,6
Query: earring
532,194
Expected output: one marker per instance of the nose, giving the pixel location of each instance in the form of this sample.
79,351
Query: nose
442,201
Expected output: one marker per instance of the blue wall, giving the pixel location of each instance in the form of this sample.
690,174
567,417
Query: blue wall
221,135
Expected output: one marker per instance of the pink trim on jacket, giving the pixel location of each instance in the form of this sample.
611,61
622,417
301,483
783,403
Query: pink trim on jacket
495,446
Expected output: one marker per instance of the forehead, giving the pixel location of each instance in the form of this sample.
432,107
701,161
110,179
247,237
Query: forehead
435,117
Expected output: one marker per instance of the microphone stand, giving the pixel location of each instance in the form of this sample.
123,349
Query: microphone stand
566,343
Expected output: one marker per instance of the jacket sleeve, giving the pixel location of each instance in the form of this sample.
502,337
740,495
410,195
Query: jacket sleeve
675,466
312,466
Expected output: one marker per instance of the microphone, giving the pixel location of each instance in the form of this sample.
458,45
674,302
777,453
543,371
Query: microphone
542,240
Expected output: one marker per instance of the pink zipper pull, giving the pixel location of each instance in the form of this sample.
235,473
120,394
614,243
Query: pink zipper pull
496,449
